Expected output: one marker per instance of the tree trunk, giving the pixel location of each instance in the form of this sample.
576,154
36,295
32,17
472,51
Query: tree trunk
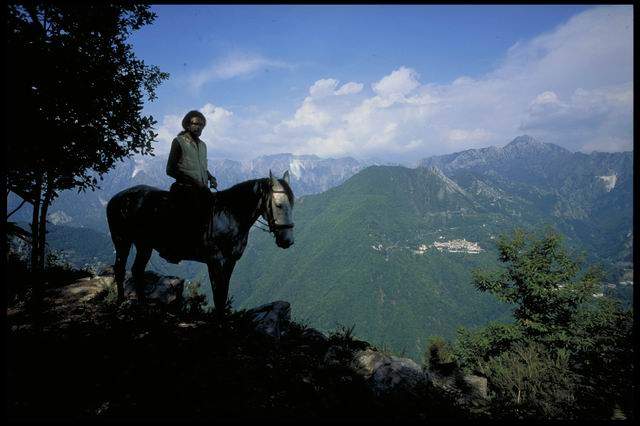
35,226
42,235
36,296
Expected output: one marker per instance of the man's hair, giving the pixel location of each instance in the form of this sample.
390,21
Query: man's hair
187,118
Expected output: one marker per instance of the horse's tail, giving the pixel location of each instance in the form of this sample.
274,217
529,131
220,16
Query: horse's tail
115,217
121,242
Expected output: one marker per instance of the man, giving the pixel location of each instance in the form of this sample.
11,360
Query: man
187,164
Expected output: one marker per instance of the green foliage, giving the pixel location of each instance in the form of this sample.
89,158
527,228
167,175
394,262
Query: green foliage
530,382
567,355
56,260
439,353
603,356
195,301
480,345
395,297
540,279
76,97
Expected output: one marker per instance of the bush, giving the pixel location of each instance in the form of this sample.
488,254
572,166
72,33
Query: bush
529,382
473,347
567,355
439,355
194,301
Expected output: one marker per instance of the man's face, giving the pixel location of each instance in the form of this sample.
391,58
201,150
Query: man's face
195,126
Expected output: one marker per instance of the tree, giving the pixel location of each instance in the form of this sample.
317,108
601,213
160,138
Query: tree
75,97
568,354
542,280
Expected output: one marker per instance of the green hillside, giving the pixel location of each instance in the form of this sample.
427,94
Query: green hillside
364,253
394,296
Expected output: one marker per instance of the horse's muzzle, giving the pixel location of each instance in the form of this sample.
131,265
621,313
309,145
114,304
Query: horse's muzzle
282,243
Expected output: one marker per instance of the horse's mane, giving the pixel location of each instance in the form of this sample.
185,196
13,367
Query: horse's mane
241,191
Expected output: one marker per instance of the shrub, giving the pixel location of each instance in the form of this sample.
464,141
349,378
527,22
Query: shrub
194,301
439,354
529,382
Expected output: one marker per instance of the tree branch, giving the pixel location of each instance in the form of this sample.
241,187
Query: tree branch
17,208
33,13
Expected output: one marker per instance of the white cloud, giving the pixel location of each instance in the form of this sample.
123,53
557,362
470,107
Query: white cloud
327,87
349,89
321,106
171,125
308,115
322,88
399,83
572,86
458,135
233,65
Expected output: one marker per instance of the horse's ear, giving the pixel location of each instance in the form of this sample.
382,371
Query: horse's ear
286,176
273,180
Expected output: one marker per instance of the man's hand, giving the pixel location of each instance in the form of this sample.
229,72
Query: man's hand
213,183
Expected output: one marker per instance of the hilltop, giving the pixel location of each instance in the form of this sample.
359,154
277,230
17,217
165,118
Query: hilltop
178,361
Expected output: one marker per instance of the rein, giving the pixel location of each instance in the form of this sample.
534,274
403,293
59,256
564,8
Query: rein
271,224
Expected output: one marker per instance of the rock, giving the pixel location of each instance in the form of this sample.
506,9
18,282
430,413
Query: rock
160,289
82,290
478,385
388,374
272,318
106,271
335,357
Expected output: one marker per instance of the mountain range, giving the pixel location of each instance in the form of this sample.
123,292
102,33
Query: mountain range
309,174
390,249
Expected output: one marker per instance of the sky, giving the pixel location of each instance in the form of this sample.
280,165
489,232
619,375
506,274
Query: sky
393,83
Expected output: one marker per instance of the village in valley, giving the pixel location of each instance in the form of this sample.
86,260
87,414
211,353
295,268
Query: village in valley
451,246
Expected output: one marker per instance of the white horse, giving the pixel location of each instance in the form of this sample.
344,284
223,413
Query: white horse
139,215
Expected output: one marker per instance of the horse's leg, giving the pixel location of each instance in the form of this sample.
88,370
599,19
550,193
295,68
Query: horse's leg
119,268
219,275
143,254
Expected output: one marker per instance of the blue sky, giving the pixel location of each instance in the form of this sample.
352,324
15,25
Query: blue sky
392,82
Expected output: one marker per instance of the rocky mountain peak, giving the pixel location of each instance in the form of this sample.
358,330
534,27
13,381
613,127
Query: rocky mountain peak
526,144
525,140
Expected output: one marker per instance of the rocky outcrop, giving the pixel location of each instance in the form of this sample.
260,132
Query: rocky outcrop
272,318
158,289
386,373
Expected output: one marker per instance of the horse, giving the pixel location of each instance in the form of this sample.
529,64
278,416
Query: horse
139,215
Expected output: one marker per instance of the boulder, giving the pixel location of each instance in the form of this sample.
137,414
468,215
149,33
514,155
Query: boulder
158,289
478,385
272,318
81,290
465,389
387,373
335,356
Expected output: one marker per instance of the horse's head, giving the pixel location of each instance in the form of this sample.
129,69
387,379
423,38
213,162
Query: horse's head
278,211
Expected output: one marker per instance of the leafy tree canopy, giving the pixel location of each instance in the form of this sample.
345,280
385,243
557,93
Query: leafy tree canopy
542,279
76,92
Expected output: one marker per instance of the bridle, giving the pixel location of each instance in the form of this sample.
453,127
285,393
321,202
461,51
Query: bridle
271,222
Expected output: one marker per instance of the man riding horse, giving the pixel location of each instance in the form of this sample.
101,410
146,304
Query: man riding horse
187,164
191,223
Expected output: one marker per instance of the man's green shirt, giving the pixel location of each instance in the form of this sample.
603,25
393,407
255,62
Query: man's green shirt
187,162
